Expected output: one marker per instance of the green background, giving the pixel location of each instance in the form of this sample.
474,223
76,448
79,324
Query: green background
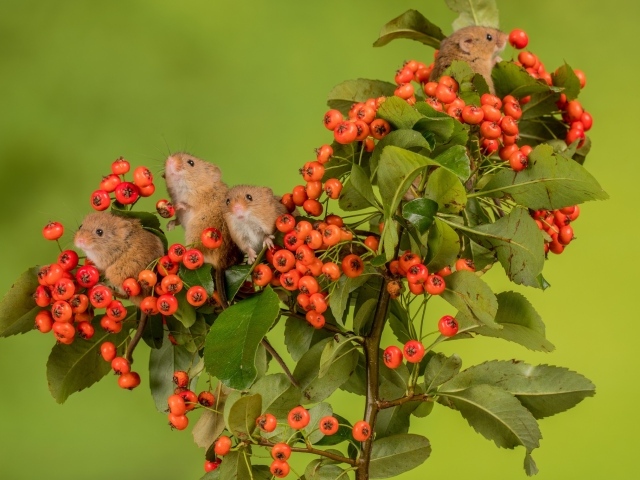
243,84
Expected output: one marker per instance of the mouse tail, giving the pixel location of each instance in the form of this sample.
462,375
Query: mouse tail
221,287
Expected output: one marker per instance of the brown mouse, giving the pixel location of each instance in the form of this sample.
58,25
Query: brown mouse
251,216
198,195
119,247
478,46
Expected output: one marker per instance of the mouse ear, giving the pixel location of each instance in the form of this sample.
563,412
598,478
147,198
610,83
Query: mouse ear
466,44
217,174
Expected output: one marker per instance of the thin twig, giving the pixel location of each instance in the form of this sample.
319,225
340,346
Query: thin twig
136,338
314,451
276,355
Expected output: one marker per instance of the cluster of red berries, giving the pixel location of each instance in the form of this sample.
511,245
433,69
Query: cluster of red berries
127,378
183,400
125,193
298,266
556,223
298,419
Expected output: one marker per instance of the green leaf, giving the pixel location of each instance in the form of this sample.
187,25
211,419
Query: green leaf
181,334
236,466
550,182
18,310
311,431
445,189
420,213
510,79
234,278
344,433
391,456
344,287
71,368
148,220
474,12
495,414
278,395
153,332
398,113
472,296
232,342
211,424
398,168
413,26
456,160
366,303
321,470
520,323
344,95
443,246
162,363
518,242
436,123
243,414
314,388
541,129
530,466
440,369
540,104
566,78
186,313
358,192
544,390
201,276
389,239
333,351
299,336
404,138
399,322
395,420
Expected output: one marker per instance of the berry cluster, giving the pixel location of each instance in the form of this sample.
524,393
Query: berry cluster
125,193
185,400
556,224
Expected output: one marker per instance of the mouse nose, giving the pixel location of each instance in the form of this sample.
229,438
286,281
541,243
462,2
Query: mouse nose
238,210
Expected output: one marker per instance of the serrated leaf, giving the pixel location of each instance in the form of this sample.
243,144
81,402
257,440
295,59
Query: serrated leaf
540,104
495,414
299,336
18,309
445,189
472,296
236,466
411,25
541,129
455,159
398,113
243,414
518,243
566,78
201,276
232,342
234,278
364,315
420,213
315,389
395,420
474,12
510,79
403,138
520,323
333,351
439,124
530,466
210,425
550,182
162,363
71,368
396,454
342,290
389,239
440,369
181,334
345,94
443,246
544,390
358,192
278,395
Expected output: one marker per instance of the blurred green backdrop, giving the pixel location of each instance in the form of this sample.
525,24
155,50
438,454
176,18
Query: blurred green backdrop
243,84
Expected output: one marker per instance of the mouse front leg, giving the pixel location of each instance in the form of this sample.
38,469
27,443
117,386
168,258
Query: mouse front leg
268,241
251,256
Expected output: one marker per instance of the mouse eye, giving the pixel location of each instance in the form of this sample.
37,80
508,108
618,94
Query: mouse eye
228,201
489,37
249,197
99,232
191,162
80,227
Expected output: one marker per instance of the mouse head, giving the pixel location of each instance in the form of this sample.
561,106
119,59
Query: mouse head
187,175
482,41
242,198
103,237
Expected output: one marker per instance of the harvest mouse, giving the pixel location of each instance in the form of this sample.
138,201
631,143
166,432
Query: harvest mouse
119,247
198,195
478,46
251,216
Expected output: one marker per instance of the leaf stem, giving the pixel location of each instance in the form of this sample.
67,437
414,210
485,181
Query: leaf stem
136,338
314,451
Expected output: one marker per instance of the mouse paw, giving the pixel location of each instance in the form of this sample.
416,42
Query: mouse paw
268,241
251,256
171,225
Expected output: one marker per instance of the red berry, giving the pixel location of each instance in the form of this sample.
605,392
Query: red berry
352,265
142,177
465,264
206,399
361,431
211,466
181,378
120,166
298,418
197,296
379,128
518,39
52,231
413,351
222,445
44,321
61,312
42,296
127,193
448,326
435,285
332,119
472,115
87,276
518,161
279,469
193,259
68,260
267,422
211,237
345,133
100,200
100,296
179,422
129,380
392,356
108,351
85,330
281,451
328,425
120,365
110,182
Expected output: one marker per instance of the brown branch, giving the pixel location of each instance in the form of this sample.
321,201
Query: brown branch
314,451
402,400
276,355
136,338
